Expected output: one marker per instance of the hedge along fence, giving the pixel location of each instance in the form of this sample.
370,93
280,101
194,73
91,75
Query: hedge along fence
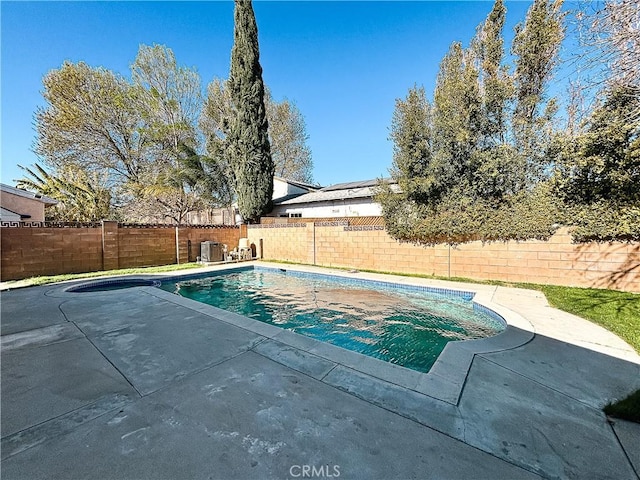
558,261
52,248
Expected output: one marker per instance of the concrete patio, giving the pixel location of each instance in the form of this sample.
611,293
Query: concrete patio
139,383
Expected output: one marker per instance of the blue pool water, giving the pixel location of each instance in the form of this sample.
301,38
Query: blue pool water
402,325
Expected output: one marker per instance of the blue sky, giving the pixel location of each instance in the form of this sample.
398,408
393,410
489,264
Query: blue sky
343,63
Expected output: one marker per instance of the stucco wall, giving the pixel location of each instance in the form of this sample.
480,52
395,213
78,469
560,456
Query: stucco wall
24,206
282,188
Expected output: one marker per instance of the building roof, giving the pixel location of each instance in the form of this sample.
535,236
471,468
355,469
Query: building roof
352,185
295,183
280,200
302,186
27,194
339,191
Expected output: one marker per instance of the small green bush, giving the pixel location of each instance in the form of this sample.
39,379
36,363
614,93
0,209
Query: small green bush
627,408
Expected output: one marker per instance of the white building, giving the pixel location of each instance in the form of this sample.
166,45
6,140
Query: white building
284,189
353,199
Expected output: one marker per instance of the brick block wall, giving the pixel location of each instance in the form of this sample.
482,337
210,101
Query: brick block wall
373,249
32,251
288,242
557,261
144,247
28,252
110,246
228,236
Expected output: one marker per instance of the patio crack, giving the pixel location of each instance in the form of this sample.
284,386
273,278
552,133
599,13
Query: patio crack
624,450
101,352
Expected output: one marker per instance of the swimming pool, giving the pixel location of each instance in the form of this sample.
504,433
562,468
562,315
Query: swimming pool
404,325
112,284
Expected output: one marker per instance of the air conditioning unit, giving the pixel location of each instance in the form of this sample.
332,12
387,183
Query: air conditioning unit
211,252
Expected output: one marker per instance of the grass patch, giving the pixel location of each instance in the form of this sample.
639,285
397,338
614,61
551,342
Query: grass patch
618,312
46,279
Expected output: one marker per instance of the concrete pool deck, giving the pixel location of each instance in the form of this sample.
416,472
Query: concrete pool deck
140,383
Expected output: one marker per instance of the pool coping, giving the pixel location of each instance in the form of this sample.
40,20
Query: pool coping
444,381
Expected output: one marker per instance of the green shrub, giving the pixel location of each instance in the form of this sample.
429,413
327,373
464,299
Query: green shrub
605,221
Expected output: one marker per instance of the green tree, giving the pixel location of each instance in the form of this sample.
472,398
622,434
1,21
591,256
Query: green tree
170,101
411,133
193,182
603,162
597,170
457,111
412,139
288,136
499,169
250,153
536,47
91,122
205,176
495,82
216,119
81,197
460,173
288,139
411,167
169,96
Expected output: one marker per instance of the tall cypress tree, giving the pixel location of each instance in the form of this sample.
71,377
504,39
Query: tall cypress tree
250,152
456,117
496,84
536,47
412,141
